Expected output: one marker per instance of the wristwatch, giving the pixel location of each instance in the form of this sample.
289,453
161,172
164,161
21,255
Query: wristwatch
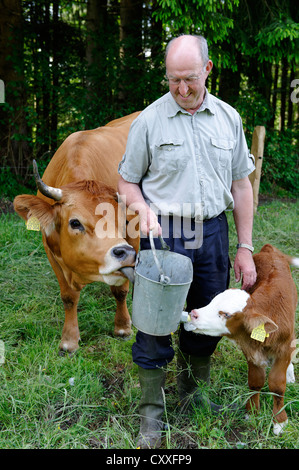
244,245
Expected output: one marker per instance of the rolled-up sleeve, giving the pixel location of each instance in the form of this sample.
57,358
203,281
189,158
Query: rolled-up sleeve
136,159
243,160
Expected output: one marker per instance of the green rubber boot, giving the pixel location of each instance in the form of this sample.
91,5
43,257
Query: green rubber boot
151,407
191,370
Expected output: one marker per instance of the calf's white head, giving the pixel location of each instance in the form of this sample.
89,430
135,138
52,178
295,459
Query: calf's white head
211,320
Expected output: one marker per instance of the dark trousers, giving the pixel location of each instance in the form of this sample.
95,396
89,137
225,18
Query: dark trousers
211,267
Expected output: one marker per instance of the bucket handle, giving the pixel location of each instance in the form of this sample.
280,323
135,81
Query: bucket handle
163,279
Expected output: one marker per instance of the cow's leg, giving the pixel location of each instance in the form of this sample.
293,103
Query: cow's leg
277,385
70,298
70,333
122,319
256,380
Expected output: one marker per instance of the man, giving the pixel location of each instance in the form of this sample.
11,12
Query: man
187,159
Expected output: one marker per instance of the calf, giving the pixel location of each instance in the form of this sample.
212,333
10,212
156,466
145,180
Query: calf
262,322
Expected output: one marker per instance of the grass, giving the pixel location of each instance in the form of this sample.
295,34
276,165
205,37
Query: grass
90,400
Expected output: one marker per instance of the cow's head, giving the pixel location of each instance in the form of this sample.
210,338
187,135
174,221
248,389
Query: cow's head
83,229
231,313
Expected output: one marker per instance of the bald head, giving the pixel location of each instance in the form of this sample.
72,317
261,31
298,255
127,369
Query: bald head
189,42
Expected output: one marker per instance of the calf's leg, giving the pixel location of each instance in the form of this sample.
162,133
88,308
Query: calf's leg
277,385
256,381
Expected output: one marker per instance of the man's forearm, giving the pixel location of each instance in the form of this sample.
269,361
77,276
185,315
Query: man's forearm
130,193
243,214
243,210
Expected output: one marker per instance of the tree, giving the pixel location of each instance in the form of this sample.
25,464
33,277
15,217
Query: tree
14,148
102,46
74,65
131,52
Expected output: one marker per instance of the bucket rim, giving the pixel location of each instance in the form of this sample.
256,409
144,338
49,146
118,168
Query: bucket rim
165,253
161,283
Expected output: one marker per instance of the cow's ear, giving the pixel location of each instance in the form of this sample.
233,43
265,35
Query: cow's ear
254,319
32,206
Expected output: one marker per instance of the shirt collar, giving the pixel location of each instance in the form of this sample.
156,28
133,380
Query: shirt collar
174,108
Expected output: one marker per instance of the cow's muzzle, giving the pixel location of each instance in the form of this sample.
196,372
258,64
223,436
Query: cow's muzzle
123,253
127,255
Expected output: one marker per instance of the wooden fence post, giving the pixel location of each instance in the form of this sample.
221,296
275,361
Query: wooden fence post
257,149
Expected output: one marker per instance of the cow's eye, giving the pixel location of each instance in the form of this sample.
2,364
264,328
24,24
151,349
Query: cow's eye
75,224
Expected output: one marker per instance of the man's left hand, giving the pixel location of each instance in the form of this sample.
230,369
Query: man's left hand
245,268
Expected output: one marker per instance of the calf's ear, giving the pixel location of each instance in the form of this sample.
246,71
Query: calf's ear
32,206
254,319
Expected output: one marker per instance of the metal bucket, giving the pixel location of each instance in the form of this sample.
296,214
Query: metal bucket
162,281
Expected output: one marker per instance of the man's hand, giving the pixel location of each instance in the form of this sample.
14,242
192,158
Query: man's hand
245,268
148,221
131,194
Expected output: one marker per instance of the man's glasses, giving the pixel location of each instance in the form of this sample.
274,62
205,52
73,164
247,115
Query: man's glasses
189,80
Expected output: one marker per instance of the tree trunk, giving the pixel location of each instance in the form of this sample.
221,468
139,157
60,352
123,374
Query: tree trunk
55,77
14,150
274,96
229,85
131,54
156,36
229,82
290,102
98,87
284,82
46,79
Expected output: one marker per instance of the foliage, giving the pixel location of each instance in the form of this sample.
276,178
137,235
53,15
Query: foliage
278,39
77,65
280,165
10,186
90,400
253,109
212,19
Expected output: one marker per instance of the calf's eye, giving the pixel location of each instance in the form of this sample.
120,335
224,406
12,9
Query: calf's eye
225,314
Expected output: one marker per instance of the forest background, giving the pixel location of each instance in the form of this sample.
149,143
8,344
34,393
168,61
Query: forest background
67,66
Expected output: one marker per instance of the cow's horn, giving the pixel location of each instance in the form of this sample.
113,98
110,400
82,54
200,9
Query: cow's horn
48,191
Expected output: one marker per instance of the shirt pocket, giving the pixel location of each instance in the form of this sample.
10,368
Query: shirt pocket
222,150
170,155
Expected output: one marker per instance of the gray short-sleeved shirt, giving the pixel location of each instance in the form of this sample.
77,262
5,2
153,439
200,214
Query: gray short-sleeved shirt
186,163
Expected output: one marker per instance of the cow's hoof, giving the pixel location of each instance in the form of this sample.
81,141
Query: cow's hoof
123,333
69,347
279,427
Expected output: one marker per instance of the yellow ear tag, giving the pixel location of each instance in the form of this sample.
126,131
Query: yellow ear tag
33,224
259,333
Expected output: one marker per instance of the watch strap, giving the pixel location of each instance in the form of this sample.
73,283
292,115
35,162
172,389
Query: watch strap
244,245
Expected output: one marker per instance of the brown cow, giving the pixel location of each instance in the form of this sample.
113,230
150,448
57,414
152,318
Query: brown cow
78,211
262,323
